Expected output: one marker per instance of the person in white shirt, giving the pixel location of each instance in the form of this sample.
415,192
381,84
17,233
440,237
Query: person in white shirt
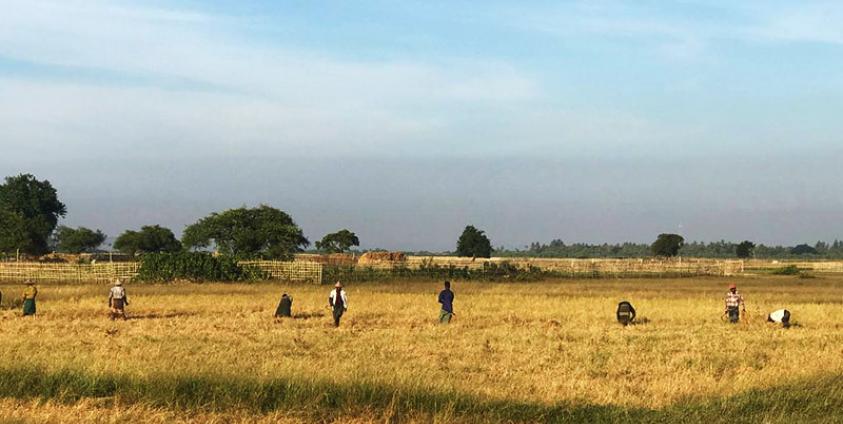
338,302
781,316
117,300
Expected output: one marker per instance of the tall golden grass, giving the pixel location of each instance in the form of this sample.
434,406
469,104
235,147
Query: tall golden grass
534,352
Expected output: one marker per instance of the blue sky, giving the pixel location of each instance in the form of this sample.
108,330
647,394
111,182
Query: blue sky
404,121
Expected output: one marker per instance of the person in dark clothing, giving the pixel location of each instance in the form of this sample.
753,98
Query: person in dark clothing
626,313
285,307
446,298
338,302
29,298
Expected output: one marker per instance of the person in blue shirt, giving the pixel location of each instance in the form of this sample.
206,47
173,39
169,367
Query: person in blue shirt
446,298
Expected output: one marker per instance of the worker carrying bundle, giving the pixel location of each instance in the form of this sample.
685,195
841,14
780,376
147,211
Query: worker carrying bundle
781,316
117,300
625,313
734,304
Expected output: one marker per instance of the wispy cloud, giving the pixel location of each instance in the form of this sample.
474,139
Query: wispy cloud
199,81
133,76
685,30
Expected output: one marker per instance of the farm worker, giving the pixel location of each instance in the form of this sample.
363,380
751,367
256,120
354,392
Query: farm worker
338,302
446,298
734,300
625,313
29,295
285,307
117,300
781,316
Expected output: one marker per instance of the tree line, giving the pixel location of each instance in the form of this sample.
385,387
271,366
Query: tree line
719,249
30,210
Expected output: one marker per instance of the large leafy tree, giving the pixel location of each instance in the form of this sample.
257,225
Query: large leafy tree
12,233
150,239
262,232
803,249
78,240
744,249
337,242
474,243
30,212
667,245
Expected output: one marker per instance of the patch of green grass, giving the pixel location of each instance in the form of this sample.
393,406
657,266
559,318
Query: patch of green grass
818,400
787,270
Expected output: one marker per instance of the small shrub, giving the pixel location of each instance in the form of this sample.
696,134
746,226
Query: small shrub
503,271
195,266
788,270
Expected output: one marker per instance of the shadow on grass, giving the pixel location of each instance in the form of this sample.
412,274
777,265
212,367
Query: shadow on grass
815,400
308,315
159,315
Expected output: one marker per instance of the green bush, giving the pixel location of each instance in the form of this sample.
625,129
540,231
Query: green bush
504,271
788,270
195,266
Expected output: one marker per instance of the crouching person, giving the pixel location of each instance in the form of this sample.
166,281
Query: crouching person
117,300
626,313
781,316
285,307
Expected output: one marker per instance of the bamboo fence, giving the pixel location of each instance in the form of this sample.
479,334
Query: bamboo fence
762,265
296,271
620,267
639,266
65,272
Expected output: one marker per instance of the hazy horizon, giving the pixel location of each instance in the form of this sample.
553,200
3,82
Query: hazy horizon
582,121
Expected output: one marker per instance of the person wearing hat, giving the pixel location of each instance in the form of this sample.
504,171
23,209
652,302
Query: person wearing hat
338,302
285,307
29,295
117,300
734,302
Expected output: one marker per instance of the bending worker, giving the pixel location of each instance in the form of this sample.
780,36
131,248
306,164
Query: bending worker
117,300
626,313
446,298
285,307
734,300
781,316
29,295
338,302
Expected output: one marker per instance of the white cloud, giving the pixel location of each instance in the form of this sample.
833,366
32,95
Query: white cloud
165,75
808,22
173,82
677,32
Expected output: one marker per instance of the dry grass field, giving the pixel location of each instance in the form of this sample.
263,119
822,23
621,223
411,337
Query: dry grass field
526,352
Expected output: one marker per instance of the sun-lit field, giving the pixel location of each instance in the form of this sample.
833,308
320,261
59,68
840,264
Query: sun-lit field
533,352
